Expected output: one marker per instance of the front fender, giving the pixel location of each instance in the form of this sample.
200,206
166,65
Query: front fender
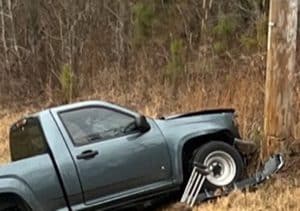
178,158
14,185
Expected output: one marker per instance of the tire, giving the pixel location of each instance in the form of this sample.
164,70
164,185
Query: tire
6,206
10,205
225,162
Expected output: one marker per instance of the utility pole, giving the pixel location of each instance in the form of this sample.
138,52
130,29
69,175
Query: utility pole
281,63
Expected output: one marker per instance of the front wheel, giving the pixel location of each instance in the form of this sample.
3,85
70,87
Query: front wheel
225,162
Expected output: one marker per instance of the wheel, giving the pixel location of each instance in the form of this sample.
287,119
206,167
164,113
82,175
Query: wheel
8,204
225,162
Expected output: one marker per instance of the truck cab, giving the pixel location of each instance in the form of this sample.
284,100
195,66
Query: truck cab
79,156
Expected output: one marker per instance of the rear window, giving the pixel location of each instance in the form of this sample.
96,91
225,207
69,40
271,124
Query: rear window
27,139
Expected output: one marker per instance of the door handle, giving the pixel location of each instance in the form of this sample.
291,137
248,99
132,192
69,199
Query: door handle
88,154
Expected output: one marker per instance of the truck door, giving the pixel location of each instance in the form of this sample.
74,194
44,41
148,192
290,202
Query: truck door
111,155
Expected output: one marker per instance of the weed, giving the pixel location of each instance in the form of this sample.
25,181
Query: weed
142,23
66,79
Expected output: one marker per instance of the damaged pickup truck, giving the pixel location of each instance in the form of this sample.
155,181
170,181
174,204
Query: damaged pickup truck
97,155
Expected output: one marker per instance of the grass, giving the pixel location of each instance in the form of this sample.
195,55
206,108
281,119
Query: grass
282,192
242,89
6,120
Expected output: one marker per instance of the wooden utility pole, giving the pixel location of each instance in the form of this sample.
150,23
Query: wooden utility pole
281,62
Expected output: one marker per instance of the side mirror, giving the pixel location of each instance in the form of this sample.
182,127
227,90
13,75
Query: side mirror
142,124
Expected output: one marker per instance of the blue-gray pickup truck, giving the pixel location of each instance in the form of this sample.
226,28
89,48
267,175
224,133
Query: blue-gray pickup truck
97,155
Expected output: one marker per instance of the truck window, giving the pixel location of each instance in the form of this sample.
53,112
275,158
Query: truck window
88,125
27,139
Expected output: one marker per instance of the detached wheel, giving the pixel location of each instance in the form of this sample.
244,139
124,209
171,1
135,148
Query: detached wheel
225,162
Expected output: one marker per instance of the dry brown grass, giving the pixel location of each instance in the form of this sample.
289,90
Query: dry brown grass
4,150
280,193
272,198
6,120
241,89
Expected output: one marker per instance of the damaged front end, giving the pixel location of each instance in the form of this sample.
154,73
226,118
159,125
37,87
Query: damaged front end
193,192
246,148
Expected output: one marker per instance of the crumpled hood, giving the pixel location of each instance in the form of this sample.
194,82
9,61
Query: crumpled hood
194,122
201,112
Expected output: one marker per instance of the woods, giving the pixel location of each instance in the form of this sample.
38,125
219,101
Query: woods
40,38
163,57
160,53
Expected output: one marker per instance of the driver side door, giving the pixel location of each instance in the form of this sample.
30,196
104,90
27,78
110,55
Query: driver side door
111,155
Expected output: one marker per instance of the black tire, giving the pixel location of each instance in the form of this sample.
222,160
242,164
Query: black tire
212,153
6,206
12,205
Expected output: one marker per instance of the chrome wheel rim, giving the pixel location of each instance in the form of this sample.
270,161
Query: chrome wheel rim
223,168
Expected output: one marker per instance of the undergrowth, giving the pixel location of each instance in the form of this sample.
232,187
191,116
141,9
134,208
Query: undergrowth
241,90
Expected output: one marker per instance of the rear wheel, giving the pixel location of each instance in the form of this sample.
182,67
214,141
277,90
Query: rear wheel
225,162
12,204
6,206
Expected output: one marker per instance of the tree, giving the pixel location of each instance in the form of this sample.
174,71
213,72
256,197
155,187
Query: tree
281,61
3,36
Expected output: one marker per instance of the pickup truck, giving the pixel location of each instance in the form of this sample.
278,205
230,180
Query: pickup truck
98,155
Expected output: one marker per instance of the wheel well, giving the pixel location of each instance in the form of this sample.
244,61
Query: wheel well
191,145
14,198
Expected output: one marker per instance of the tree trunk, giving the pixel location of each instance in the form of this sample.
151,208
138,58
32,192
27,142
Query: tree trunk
13,33
3,37
123,33
281,60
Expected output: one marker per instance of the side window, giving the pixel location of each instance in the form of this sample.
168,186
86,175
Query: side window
27,139
88,125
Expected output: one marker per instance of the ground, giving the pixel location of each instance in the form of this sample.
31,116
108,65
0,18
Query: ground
280,193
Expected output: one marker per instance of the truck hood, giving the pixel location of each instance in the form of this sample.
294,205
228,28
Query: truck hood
195,122
197,113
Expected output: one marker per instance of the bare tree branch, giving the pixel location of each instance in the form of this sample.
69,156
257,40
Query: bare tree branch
14,39
4,14
3,35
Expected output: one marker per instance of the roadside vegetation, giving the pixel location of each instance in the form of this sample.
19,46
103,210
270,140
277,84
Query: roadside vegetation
157,57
